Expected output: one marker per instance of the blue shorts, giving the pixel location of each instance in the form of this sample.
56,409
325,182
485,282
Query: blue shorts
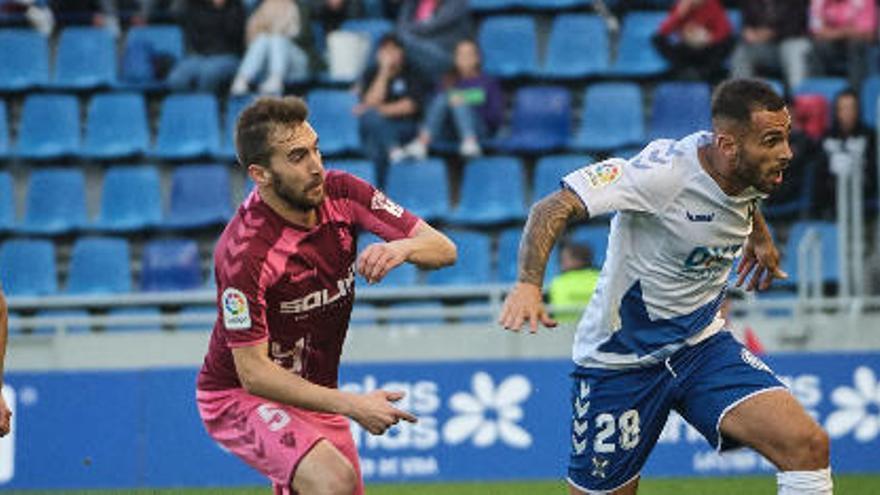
617,415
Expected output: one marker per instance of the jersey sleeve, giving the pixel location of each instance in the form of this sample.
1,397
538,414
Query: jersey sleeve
242,300
372,210
645,183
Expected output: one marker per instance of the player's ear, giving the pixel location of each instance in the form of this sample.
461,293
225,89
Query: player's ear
259,174
726,143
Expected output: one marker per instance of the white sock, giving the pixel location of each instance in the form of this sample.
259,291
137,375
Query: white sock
816,482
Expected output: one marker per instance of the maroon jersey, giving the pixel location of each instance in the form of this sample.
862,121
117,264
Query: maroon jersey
293,286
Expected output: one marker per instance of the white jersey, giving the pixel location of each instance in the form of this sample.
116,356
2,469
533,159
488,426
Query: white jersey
670,250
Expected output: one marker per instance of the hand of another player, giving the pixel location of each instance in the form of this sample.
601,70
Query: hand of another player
761,259
375,413
5,418
524,304
378,259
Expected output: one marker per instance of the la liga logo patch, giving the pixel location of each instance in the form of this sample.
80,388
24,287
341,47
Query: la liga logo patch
602,174
236,314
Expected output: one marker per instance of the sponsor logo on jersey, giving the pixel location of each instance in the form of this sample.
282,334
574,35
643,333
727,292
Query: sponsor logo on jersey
602,174
381,202
700,217
320,298
703,257
236,314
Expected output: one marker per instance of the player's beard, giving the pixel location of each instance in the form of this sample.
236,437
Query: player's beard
296,200
752,173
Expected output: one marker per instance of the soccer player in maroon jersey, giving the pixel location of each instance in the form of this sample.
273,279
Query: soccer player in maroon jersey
285,268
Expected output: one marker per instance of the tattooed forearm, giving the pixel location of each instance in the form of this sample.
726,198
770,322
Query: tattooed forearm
547,220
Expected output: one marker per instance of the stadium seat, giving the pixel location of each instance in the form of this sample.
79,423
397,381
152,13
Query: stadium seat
541,120
492,192
116,127
594,236
474,261
164,41
189,127
65,314
330,115
550,170
200,196
49,127
420,187
679,109
498,35
363,169
25,60
27,267
4,131
171,265
578,46
492,5
7,202
99,265
197,310
85,58
151,311
636,55
131,199
868,97
828,87
828,251
234,106
374,28
508,249
612,117
56,201
555,5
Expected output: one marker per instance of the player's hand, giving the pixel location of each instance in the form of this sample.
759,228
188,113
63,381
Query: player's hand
375,413
761,259
378,259
523,304
5,418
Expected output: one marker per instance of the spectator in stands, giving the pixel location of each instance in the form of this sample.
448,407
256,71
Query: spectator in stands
214,31
38,16
848,146
332,13
573,288
430,29
271,31
96,12
473,99
774,35
842,31
390,97
696,38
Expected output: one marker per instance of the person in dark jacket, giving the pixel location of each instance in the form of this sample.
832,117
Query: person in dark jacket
429,31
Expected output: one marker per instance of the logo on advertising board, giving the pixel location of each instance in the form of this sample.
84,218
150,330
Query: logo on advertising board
857,408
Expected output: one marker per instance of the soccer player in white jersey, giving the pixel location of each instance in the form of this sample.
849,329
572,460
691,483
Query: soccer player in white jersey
651,340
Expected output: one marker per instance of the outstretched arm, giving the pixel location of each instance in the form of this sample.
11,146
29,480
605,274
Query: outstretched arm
547,221
425,248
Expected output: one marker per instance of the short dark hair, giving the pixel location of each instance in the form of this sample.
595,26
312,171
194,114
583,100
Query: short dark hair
258,120
390,38
736,99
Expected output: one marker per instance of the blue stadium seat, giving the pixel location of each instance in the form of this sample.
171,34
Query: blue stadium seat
421,187
829,252
7,202
374,28
116,127
331,117
234,106
508,248
138,72
200,196
613,116
550,170
492,5
85,58
541,120
66,314
636,55
498,35
49,127
25,60
131,199
151,311
363,169
171,265
164,39
679,109
197,310
492,191
4,131
27,267
555,5
594,236
870,93
828,87
189,127
99,265
578,47
474,263
56,201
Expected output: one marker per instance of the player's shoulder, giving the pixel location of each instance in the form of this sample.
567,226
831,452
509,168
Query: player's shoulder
248,237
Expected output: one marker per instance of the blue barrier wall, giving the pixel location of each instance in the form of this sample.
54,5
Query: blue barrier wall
478,421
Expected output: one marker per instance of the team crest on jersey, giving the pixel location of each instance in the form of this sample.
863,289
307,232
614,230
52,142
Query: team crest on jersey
381,202
602,174
236,315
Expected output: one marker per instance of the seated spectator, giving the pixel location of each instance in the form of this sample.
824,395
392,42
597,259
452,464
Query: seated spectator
473,100
96,12
774,36
842,32
572,289
848,146
430,29
213,30
270,33
390,97
39,16
696,38
330,14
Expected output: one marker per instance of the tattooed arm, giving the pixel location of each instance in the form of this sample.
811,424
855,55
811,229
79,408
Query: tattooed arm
547,220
